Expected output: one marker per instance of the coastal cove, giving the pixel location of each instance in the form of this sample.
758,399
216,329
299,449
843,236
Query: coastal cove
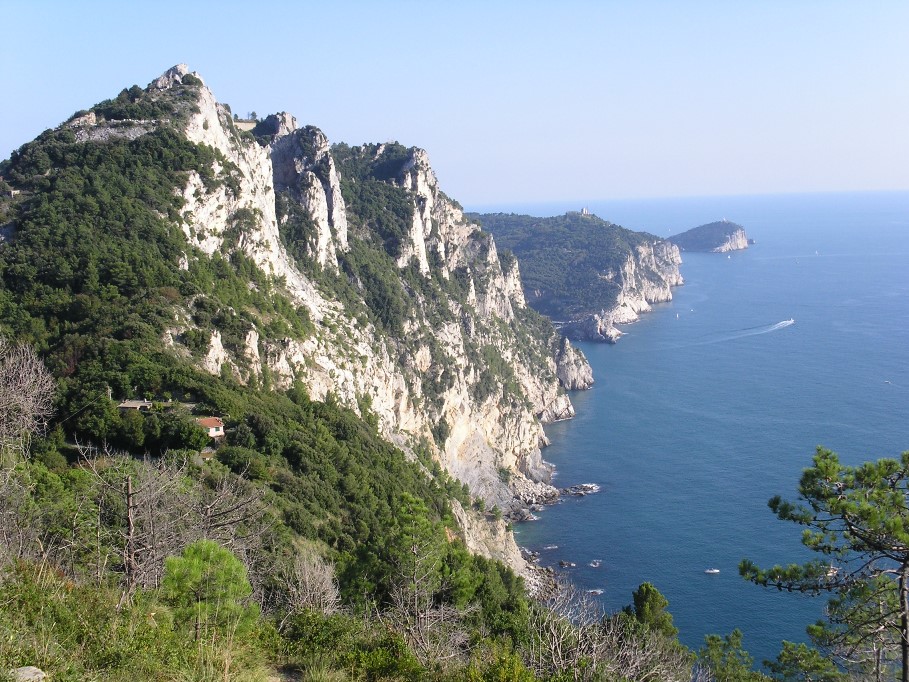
709,405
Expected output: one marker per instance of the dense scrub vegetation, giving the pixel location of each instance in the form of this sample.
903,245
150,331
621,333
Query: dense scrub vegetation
384,208
91,277
565,259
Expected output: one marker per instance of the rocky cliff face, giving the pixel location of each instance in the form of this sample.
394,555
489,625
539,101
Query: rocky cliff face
736,241
416,319
302,165
646,277
573,370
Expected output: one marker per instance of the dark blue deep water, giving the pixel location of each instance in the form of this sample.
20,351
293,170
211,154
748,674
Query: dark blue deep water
709,406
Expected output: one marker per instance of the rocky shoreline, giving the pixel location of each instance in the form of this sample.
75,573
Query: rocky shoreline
543,581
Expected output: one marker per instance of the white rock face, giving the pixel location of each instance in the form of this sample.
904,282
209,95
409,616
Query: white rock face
217,356
173,76
245,206
303,166
572,368
483,537
736,241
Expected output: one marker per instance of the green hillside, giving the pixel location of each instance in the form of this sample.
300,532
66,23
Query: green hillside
564,258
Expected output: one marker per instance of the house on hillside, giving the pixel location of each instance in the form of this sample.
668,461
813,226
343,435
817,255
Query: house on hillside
212,425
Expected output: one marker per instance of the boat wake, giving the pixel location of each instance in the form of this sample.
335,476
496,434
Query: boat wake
754,331
743,333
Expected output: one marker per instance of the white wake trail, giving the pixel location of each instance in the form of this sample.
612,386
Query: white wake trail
739,334
753,331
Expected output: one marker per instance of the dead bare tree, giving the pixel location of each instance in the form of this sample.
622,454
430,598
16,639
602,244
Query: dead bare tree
308,583
160,509
640,654
434,630
26,395
142,514
232,511
18,534
572,635
563,631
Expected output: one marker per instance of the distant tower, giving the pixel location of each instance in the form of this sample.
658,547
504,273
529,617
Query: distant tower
585,211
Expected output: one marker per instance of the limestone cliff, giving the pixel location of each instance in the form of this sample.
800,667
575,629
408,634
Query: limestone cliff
415,318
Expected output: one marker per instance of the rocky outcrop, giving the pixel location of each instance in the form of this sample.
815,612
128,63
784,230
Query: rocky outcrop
490,537
595,327
302,165
716,237
572,368
238,213
28,673
736,241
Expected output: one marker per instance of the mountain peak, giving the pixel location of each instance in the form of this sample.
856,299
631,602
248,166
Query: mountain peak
173,76
279,124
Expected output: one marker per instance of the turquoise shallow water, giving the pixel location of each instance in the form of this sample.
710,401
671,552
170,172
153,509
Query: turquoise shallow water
709,406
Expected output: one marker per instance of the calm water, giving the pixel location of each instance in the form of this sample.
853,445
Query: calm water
709,406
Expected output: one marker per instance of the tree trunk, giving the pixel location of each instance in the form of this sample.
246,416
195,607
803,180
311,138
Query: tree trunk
129,559
904,619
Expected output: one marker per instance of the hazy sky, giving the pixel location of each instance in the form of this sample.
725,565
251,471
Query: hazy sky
515,101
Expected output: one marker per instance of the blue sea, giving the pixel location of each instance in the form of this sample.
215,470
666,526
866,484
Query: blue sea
713,403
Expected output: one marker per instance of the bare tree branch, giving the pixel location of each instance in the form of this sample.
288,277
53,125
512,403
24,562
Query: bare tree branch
26,395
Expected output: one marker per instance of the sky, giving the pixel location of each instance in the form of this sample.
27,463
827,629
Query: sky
515,102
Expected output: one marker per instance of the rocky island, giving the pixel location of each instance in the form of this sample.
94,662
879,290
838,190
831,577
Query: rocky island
717,237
